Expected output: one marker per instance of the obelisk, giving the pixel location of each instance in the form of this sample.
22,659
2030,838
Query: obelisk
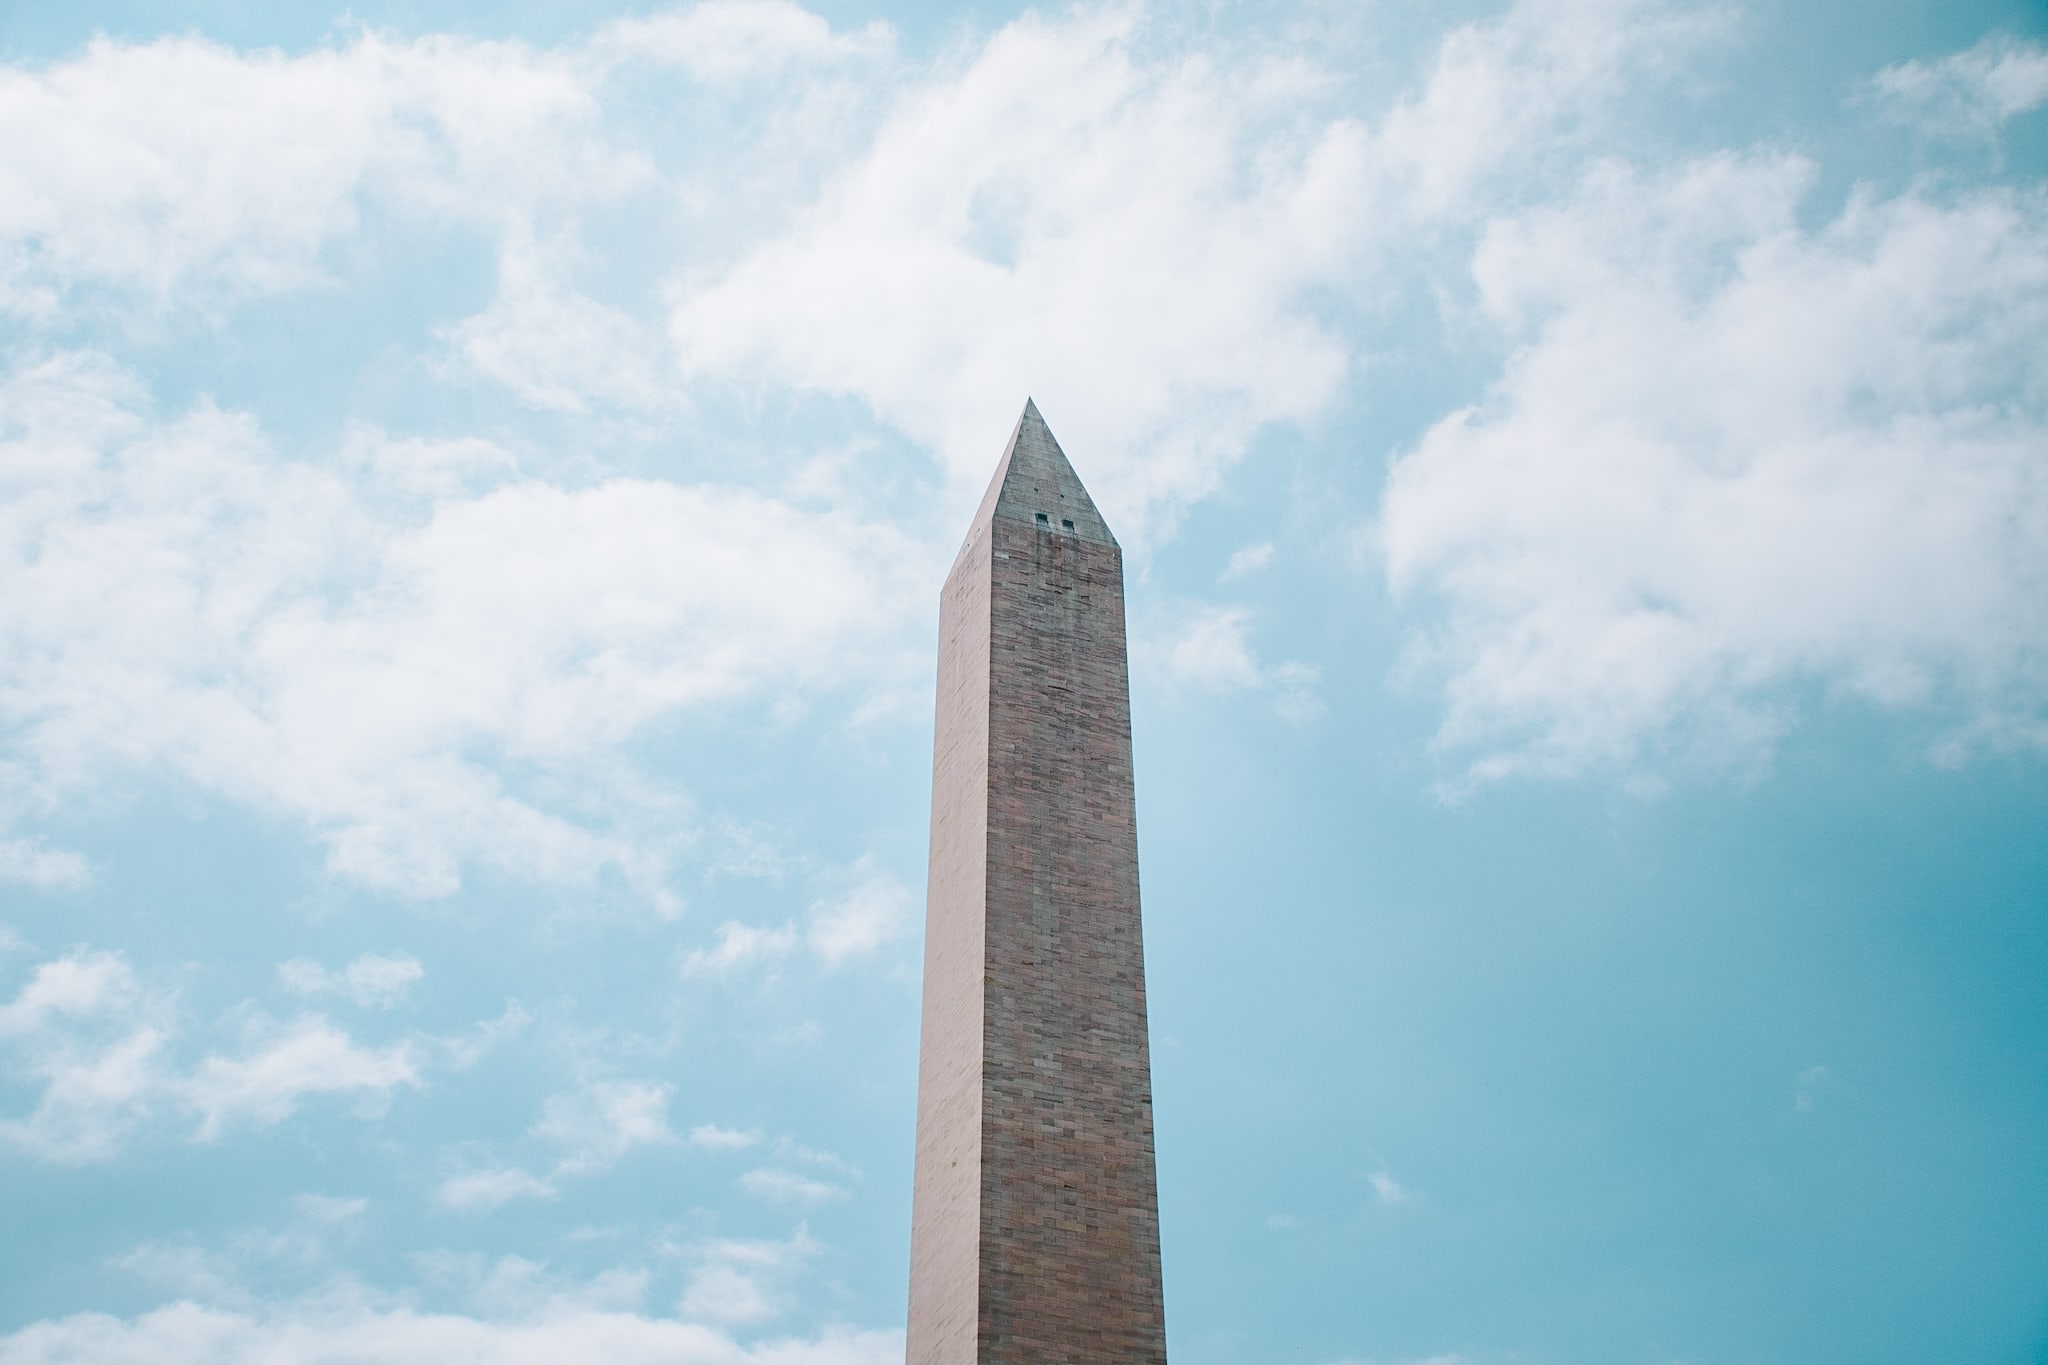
1035,1218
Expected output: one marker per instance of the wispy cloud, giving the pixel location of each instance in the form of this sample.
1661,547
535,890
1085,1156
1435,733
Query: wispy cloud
111,1053
1249,559
1388,1190
740,945
873,912
372,981
85,1027
74,987
1969,92
1807,1087
1211,649
286,1063
744,1282
491,1188
589,1128
31,862
600,1122
328,1209
466,1049
787,1187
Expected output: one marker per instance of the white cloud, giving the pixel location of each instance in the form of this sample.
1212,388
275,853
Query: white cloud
181,174
79,986
1731,454
510,1286
1971,92
874,912
489,1189
1388,1190
1505,97
602,1121
787,1187
805,1033
434,661
1297,692
790,1148
30,862
1192,213
330,1209
372,981
723,1293
284,634
180,165
722,40
744,1282
713,1138
1249,559
381,981
219,1268
307,1057
1135,242
870,913
1807,1088
740,945
336,1333
188,1271
1212,651
87,1030
99,1041
1154,239
558,349
90,1098
466,1050
421,468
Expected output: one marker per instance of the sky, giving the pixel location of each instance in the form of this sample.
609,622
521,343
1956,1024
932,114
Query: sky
475,481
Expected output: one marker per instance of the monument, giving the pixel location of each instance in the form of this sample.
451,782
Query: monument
1035,1216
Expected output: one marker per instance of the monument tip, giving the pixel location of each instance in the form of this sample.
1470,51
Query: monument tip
1034,481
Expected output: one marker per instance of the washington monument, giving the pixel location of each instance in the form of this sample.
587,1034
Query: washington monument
1035,1220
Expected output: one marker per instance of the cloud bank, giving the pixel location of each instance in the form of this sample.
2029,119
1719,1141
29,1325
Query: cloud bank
1732,455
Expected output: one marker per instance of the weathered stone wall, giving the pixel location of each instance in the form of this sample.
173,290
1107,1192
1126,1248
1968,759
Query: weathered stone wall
1034,961
1069,1209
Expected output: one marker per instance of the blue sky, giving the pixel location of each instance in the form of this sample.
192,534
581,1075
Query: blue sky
474,485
